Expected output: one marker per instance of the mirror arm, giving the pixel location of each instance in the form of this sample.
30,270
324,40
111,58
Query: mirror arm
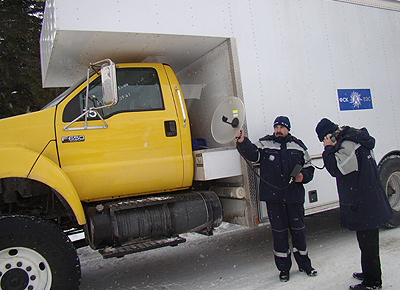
85,126
87,88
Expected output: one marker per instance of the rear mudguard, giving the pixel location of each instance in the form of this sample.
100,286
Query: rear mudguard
24,163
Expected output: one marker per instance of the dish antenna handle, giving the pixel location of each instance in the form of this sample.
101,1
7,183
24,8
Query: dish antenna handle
234,123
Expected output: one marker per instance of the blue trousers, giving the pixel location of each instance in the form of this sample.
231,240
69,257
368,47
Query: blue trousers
285,218
368,241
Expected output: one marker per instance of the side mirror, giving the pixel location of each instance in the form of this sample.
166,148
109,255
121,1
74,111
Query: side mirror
109,84
109,90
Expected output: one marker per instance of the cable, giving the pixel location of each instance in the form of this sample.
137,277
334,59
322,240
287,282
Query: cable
266,182
258,175
315,166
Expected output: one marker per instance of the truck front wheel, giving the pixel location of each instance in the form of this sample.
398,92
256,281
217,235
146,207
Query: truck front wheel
389,171
35,254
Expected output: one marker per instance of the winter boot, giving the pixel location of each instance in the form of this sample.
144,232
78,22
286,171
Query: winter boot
284,276
309,271
364,287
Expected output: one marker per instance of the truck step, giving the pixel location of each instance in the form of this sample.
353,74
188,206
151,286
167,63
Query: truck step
119,252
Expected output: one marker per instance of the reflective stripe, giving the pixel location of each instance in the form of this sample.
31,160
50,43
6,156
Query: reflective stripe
282,255
303,253
268,144
346,158
259,156
307,159
279,231
372,154
294,146
299,229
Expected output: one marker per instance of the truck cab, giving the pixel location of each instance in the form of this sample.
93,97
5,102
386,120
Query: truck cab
145,146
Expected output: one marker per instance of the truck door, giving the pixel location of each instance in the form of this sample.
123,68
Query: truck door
139,152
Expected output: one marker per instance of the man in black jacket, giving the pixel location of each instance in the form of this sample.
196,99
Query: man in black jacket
278,155
364,207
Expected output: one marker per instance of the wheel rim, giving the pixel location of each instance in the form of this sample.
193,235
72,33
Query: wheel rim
393,190
23,268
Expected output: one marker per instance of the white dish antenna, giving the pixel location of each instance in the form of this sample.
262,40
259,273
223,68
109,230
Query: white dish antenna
227,120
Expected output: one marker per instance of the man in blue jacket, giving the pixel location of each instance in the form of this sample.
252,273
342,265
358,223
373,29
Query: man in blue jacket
364,207
278,154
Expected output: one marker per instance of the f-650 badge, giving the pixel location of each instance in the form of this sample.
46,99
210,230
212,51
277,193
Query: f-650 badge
70,139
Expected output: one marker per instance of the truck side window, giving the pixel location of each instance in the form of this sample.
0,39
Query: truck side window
138,90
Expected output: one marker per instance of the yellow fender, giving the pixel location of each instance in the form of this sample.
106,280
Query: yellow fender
17,162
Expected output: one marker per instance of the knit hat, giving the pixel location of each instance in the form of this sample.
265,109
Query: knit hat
324,127
283,121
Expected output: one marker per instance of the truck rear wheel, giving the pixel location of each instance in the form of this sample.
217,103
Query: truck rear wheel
35,254
389,170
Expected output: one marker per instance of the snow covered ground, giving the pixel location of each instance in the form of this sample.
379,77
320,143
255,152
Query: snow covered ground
241,258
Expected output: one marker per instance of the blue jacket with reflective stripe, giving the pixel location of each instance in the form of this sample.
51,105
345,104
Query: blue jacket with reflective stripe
277,157
363,201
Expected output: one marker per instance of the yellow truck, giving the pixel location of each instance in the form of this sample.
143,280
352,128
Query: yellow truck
103,156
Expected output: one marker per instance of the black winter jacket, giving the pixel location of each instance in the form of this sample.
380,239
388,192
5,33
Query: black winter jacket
363,202
277,157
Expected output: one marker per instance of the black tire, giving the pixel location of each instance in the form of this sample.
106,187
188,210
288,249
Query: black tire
36,254
389,171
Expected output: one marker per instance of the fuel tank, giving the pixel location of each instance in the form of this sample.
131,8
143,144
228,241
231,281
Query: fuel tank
114,224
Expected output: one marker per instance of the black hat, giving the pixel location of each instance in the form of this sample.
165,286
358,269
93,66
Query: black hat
283,121
324,127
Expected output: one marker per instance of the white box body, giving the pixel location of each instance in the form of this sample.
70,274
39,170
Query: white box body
279,57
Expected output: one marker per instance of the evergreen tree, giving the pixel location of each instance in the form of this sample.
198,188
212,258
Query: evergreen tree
20,75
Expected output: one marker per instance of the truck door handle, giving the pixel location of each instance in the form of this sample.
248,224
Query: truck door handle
182,108
170,128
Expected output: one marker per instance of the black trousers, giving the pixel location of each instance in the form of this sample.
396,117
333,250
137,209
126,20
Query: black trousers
284,218
368,241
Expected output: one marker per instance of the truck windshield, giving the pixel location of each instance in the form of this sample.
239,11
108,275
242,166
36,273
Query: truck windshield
61,97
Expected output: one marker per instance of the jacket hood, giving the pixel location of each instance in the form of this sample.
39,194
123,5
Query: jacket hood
360,136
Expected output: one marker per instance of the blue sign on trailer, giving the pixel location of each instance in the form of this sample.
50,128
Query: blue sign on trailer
354,99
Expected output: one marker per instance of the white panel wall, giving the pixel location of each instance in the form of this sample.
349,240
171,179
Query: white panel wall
293,54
